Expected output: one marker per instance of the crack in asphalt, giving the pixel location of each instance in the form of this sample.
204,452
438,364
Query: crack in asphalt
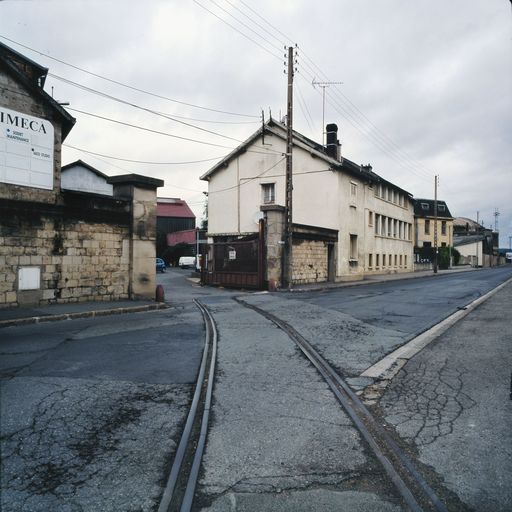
424,403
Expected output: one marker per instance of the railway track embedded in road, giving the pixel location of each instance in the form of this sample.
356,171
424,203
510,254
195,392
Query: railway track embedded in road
181,484
415,491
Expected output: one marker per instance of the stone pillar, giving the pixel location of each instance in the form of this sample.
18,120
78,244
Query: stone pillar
141,191
274,237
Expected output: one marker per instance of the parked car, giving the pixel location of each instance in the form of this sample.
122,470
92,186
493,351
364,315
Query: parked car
187,262
160,265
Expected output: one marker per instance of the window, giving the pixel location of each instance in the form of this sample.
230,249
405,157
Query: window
390,260
377,260
443,227
370,260
353,247
443,244
390,194
401,260
377,224
424,206
353,189
370,218
441,208
268,192
405,260
427,227
383,261
427,244
396,260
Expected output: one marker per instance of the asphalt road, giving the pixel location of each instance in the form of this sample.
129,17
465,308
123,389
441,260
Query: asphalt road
452,404
91,409
409,306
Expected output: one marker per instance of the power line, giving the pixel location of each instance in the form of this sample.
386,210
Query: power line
237,30
165,133
134,105
281,43
140,161
248,179
351,109
147,129
244,24
126,85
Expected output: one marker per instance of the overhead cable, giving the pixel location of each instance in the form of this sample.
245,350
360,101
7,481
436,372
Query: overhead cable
129,86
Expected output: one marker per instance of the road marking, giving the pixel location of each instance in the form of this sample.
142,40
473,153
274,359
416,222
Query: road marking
390,365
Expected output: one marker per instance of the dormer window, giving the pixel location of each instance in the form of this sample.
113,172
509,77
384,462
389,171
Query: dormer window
424,206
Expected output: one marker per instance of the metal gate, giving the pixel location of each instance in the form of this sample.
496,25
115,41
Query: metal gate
237,264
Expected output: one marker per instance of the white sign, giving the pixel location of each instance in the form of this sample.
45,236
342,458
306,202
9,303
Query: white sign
26,150
232,255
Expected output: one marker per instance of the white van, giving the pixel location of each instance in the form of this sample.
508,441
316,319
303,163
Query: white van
187,262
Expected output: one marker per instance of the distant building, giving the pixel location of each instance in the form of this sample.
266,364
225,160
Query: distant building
424,223
347,220
172,214
83,177
477,245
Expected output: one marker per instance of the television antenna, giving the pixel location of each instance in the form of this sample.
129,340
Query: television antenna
323,85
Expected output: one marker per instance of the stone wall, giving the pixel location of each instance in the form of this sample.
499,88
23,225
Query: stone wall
79,251
309,261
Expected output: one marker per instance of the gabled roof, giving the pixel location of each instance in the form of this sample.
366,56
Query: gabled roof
425,208
315,149
81,163
173,207
32,76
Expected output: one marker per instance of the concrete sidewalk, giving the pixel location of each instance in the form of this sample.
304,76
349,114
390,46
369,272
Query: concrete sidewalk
55,312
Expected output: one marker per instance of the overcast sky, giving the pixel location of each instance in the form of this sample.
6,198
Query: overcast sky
426,86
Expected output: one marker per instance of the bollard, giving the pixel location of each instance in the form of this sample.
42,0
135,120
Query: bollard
159,295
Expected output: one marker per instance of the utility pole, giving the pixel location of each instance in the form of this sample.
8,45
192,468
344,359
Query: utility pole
288,242
323,85
436,177
496,215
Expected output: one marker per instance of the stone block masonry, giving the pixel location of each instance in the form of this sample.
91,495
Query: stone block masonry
309,261
79,253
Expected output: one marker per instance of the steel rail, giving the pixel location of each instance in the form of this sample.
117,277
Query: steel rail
168,494
356,410
194,472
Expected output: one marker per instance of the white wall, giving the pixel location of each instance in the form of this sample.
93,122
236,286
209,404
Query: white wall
84,180
321,198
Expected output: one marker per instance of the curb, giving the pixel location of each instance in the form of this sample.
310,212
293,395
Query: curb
82,314
386,369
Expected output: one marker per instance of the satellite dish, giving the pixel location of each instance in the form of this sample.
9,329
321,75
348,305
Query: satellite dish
257,217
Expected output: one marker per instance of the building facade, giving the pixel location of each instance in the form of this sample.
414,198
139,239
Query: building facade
425,224
347,220
63,245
